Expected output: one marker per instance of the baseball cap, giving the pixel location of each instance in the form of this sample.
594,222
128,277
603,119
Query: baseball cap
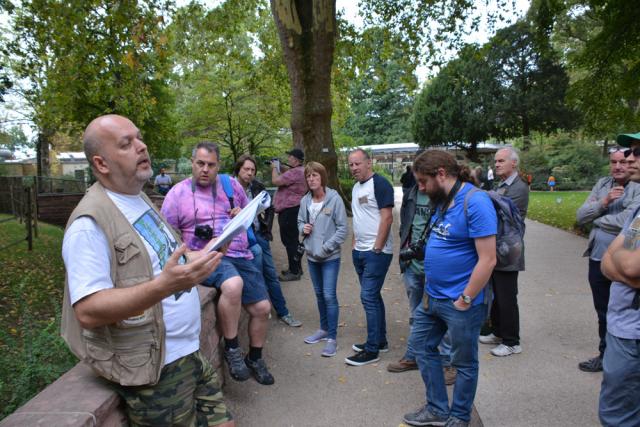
626,139
297,153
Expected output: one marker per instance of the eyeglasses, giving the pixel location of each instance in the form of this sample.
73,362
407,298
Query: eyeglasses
634,151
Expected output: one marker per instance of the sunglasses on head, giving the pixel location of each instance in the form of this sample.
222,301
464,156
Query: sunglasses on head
635,151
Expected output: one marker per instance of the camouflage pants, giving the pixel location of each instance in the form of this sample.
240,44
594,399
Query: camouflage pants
188,394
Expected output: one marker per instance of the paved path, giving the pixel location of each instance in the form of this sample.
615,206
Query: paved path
540,387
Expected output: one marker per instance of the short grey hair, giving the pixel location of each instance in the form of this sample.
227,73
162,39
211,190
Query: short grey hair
513,154
361,150
211,147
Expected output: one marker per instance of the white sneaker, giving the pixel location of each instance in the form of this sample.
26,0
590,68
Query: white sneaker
504,350
490,339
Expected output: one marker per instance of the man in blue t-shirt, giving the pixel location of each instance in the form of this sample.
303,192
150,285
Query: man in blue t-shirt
620,392
372,205
459,257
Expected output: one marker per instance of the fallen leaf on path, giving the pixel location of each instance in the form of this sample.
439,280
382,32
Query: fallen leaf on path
388,289
308,354
342,324
401,338
342,379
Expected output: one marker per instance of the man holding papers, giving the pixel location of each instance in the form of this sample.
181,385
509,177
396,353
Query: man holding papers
199,208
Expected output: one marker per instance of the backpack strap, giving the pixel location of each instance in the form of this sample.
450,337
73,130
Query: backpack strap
467,196
488,289
225,180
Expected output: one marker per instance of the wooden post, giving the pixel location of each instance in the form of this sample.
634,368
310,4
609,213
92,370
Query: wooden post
28,221
34,204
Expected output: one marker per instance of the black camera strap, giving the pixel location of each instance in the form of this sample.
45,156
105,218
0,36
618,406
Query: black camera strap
427,230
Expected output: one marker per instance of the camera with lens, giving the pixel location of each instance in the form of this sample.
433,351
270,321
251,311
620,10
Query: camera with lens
268,162
413,251
204,232
299,252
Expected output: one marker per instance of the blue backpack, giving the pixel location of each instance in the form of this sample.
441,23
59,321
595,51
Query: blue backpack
510,235
225,180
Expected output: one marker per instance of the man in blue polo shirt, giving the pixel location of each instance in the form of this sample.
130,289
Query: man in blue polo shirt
371,204
460,254
620,392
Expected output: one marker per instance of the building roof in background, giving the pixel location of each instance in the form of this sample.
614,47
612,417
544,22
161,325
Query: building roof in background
64,157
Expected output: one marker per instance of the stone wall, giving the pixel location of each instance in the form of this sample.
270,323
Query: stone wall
79,398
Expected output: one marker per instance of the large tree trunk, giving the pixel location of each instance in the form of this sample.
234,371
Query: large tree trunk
307,30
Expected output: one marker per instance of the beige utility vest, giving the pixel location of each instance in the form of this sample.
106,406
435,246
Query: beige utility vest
129,352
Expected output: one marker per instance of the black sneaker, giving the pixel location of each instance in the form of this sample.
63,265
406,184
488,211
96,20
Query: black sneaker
382,348
424,417
289,277
259,371
362,358
591,365
237,368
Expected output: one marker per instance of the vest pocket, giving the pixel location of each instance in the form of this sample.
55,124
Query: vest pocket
98,354
125,248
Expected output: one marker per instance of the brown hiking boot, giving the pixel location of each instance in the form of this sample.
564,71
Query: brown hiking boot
402,365
450,375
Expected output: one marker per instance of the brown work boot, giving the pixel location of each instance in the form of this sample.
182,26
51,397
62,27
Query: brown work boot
450,375
402,365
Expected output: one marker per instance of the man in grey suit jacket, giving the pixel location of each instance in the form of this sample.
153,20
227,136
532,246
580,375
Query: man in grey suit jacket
505,316
612,200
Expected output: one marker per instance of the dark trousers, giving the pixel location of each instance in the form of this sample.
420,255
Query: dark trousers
600,288
505,316
288,222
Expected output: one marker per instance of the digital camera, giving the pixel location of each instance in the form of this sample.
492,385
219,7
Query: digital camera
204,232
299,252
413,251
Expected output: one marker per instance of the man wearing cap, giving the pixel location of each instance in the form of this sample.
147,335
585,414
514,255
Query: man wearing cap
291,187
620,392
612,201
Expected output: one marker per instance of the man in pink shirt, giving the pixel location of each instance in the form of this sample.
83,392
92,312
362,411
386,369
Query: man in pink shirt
199,208
291,187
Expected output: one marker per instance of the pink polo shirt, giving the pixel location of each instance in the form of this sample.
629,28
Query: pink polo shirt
184,208
291,191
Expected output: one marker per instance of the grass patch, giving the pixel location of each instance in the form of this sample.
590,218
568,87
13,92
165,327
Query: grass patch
557,208
32,354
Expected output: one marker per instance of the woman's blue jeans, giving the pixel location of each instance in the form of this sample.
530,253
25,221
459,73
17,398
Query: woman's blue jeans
324,277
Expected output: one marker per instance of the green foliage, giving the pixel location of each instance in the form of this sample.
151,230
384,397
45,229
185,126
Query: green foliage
227,92
32,354
95,57
427,25
601,43
532,84
454,108
382,92
557,208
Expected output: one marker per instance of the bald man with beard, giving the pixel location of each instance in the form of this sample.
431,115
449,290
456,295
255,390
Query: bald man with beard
130,309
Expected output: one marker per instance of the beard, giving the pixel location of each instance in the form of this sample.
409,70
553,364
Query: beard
437,196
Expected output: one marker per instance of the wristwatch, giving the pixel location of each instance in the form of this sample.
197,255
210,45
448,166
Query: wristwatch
466,299
377,250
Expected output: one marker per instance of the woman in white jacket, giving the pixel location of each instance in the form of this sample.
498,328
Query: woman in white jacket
322,221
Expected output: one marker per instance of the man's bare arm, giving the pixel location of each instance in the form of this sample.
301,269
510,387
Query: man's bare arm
386,219
621,264
111,305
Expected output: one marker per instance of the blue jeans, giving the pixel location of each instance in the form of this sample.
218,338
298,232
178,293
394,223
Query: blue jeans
324,277
620,392
372,269
414,284
429,327
264,261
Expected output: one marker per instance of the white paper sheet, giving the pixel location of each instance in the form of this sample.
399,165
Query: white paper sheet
241,222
